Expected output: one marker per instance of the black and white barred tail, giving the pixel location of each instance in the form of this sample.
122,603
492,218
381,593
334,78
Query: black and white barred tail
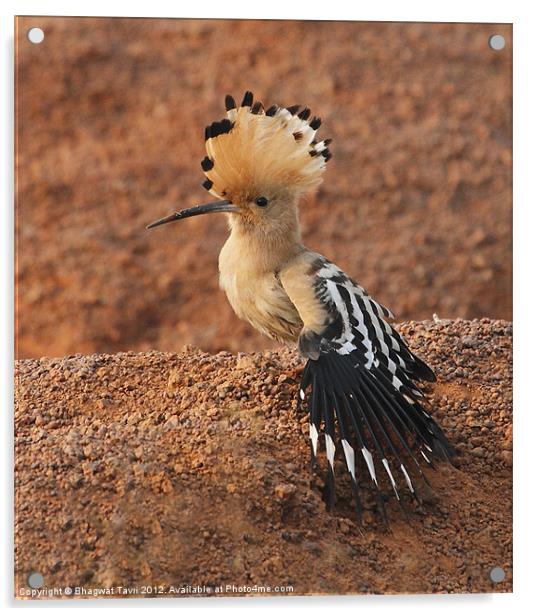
368,421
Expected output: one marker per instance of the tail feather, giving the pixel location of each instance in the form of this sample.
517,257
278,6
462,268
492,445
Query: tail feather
385,433
421,371
336,381
383,405
396,404
361,421
315,416
414,418
370,397
376,422
350,457
330,440
341,381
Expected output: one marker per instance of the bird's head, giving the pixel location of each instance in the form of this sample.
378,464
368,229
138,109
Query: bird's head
259,162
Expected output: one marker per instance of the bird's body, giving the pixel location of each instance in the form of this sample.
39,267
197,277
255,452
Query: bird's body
252,284
359,380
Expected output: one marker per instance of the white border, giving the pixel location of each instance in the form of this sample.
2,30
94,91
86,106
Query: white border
489,11
507,11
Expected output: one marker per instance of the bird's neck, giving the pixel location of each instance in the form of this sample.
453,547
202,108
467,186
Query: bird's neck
264,248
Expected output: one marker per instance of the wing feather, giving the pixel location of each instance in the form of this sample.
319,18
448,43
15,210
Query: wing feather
362,381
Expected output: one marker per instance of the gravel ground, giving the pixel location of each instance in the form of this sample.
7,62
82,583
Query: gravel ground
192,469
416,204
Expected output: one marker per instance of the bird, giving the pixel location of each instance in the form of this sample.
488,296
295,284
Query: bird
361,382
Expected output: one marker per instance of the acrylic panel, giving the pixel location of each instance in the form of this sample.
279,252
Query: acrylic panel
161,449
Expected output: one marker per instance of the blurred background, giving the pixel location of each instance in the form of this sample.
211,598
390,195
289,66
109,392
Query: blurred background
416,204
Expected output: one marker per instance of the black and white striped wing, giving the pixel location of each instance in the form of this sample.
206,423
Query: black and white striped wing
360,389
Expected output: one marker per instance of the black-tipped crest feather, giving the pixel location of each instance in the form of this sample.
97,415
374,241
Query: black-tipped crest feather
298,167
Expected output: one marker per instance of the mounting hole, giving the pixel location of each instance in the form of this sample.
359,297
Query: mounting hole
497,42
35,35
35,580
497,575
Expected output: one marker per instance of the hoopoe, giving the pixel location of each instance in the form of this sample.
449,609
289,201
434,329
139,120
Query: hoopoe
358,382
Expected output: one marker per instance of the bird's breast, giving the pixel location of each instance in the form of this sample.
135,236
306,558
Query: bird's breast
260,299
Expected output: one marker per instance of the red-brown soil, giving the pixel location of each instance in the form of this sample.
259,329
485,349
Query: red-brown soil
193,469
416,203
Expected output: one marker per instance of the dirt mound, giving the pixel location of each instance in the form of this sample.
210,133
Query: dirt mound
192,469
416,204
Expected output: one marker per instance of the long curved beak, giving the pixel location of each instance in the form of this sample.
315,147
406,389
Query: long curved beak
206,208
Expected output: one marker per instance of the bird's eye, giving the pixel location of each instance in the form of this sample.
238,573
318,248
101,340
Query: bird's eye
262,201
